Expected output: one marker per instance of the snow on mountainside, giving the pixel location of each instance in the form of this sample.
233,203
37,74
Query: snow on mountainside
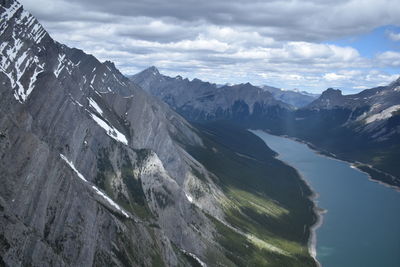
97,172
19,60
61,111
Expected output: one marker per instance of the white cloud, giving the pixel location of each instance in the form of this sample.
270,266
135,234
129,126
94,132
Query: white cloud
389,58
334,76
394,36
281,43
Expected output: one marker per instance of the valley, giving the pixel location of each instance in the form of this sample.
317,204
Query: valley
100,167
97,172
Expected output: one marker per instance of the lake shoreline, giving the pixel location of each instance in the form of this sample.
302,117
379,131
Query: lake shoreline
318,212
353,164
337,242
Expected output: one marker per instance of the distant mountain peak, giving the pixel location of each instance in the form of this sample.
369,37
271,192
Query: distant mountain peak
293,97
332,92
153,70
150,72
330,98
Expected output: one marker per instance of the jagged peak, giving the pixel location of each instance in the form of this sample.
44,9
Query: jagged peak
110,64
152,70
331,91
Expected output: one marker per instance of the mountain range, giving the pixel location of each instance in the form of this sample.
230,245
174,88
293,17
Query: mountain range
295,98
362,128
203,101
102,169
95,171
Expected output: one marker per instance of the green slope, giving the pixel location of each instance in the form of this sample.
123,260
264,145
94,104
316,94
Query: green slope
269,212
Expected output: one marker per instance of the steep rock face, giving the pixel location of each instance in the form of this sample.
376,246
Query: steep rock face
75,140
330,98
202,101
95,171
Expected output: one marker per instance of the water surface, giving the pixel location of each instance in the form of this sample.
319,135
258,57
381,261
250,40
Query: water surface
362,225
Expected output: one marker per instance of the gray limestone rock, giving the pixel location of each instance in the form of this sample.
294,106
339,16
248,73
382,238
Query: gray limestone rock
77,140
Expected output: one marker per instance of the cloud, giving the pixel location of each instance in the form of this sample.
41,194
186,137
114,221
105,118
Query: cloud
389,58
394,36
305,20
281,43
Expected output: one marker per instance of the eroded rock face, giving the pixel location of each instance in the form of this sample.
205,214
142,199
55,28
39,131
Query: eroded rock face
94,171
78,142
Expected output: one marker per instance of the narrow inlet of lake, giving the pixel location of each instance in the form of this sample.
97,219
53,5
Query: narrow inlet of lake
361,226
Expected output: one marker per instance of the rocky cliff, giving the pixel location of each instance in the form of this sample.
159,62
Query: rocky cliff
91,171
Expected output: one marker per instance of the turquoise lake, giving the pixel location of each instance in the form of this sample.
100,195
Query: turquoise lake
361,227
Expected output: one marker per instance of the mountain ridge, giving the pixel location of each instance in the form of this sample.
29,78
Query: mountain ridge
295,98
197,100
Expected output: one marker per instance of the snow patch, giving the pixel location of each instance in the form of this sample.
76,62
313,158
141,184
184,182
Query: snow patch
100,193
110,201
94,77
73,168
38,32
8,13
31,83
110,130
94,105
189,198
60,66
202,264
121,83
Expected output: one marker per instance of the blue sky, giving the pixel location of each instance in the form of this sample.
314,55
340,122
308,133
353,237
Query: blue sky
372,43
306,44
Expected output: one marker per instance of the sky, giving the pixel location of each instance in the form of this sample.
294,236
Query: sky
309,45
